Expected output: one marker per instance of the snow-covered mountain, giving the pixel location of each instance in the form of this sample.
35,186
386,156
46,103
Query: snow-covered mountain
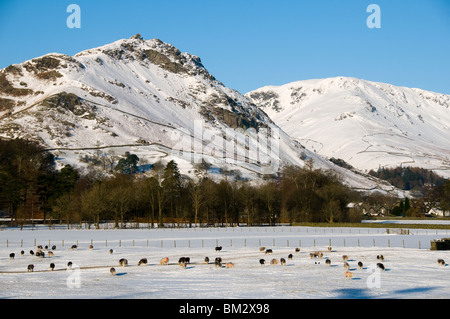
148,98
367,124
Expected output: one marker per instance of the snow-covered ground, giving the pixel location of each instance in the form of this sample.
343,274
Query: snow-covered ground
411,271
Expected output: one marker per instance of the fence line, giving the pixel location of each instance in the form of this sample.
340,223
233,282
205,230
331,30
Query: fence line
248,242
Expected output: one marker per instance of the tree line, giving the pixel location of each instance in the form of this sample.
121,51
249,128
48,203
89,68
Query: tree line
30,185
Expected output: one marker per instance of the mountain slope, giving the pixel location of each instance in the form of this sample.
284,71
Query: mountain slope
146,97
367,124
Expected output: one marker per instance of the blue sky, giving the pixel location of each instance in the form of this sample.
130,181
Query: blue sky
247,44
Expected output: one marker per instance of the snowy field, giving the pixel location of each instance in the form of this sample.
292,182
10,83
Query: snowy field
411,269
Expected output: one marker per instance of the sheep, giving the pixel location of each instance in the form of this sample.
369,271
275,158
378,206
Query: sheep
110,251
218,248
31,252
30,268
297,250
345,257
261,249
185,260
218,262
143,261
329,248
52,266
262,262
360,265
91,247
73,247
380,257
40,254
22,252
182,264
112,271
69,265
290,256
164,261
206,260
268,251
229,265
348,275
39,247
12,255
123,262
328,262
50,254
283,262
381,266
346,265
54,247
274,261
441,262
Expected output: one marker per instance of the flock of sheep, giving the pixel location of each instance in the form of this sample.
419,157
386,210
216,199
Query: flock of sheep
41,252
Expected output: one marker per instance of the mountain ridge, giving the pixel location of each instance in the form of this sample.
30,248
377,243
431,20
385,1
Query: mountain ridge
367,124
146,97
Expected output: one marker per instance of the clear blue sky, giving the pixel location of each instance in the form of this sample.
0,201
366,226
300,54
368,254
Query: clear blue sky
247,44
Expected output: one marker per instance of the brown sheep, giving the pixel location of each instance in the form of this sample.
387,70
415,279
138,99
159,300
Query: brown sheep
348,275
164,261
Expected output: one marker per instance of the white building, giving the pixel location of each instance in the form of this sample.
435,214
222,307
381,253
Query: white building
439,212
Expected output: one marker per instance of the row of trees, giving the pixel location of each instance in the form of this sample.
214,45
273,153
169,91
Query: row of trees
167,197
409,178
30,186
